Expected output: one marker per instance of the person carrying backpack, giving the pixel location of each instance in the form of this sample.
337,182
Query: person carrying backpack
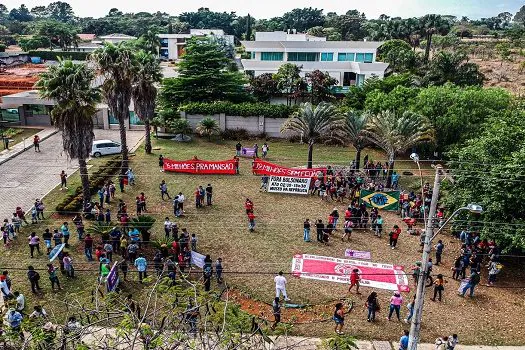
33,277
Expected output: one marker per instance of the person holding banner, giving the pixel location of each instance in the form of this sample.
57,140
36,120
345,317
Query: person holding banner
238,148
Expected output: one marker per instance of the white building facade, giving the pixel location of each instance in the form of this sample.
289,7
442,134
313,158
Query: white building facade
349,62
172,45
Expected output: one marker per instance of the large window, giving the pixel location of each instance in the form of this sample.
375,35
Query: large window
327,56
37,110
164,53
346,56
272,56
303,56
163,42
349,78
134,120
365,57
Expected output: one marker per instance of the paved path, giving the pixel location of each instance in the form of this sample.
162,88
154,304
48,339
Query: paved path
30,175
20,147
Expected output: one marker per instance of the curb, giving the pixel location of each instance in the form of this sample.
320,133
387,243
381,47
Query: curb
26,148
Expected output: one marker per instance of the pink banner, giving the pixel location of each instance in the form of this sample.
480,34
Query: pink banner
358,254
197,166
261,167
373,275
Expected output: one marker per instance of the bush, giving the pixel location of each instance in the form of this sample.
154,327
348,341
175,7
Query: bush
54,55
245,109
236,134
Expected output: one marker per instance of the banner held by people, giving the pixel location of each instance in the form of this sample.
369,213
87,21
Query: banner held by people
112,280
197,259
357,254
287,184
197,166
381,200
261,167
374,275
248,152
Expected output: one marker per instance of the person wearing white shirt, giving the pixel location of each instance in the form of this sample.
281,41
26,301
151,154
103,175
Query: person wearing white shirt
167,227
280,286
20,301
4,289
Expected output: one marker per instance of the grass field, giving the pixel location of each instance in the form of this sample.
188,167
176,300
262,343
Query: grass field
252,259
22,133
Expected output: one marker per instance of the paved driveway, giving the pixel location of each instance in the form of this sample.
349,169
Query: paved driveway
32,175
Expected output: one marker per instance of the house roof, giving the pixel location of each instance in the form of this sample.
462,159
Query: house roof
251,45
117,36
86,37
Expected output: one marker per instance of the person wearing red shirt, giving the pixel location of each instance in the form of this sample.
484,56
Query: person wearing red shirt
248,205
251,221
394,235
354,280
348,214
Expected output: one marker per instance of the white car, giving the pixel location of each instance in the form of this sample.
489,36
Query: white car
105,147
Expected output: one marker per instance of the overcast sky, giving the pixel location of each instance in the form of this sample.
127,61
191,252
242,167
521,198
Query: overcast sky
273,8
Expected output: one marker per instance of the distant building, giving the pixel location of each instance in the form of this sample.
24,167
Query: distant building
115,38
172,45
86,37
349,62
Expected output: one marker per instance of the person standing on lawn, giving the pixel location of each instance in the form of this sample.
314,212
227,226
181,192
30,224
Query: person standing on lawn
34,242
339,318
164,189
88,247
141,265
319,226
238,148
251,221
53,278
161,163
167,227
439,287
47,236
265,149
394,235
347,230
471,284
354,280
33,278
395,305
65,233
280,286
372,305
276,310
410,307
439,251
306,234
218,270
68,265
209,193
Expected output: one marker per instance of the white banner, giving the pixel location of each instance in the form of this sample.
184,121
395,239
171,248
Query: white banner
286,184
197,259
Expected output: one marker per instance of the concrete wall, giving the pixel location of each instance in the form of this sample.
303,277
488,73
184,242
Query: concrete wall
254,125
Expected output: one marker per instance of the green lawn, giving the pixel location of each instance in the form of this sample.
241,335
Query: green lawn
21,134
252,259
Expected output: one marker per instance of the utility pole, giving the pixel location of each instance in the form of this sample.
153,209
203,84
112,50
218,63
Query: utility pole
415,326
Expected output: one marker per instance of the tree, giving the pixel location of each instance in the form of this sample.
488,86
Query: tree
320,85
263,87
503,49
519,17
397,133
180,126
488,171
144,91
71,87
302,19
203,76
59,34
208,127
60,11
34,43
289,82
21,14
117,66
39,12
430,25
313,123
351,25
204,18
398,54
398,100
355,127
453,67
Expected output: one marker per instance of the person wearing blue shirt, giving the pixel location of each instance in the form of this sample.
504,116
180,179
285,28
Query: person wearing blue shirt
403,341
14,320
65,233
141,265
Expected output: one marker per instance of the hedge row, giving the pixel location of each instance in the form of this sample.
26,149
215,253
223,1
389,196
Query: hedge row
53,55
245,109
74,201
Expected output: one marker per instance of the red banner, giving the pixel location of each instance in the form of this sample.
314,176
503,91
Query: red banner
260,167
197,166
373,275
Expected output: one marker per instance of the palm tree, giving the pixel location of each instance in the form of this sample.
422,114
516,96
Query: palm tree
69,85
208,127
430,25
355,127
144,91
396,134
117,65
313,123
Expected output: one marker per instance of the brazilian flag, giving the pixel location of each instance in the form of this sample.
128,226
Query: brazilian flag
380,200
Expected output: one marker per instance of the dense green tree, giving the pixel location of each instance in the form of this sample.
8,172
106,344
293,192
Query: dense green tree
519,17
320,86
21,14
34,43
301,19
203,76
453,67
117,66
313,123
39,12
289,81
70,86
430,25
488,169
351,25
60,11
398,100
204,18
263,87
396,133
399,55
144,91
59,34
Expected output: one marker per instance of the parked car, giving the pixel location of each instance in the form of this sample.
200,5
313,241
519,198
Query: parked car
105,147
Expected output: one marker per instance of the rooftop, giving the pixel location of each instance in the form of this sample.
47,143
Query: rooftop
250,45
86,37
118,36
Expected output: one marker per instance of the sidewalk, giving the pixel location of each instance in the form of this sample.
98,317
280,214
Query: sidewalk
20,147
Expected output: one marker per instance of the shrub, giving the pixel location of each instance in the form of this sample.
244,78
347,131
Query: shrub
54,55
236,134
245,109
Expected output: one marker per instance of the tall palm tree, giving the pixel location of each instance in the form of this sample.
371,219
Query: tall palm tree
396,134
144,91
70,86
313,123
117,65
355,132
430,25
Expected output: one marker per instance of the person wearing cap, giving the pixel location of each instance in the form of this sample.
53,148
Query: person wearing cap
6,293
395,305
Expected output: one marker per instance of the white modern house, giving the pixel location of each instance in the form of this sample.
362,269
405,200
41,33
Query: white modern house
172,45
349,62
114,38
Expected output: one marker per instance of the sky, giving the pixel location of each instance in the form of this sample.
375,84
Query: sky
272,8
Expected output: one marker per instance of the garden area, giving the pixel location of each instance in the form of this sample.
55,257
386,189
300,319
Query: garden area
251,259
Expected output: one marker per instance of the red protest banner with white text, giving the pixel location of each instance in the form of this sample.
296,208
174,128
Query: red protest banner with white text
374,275
197,166
261,167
